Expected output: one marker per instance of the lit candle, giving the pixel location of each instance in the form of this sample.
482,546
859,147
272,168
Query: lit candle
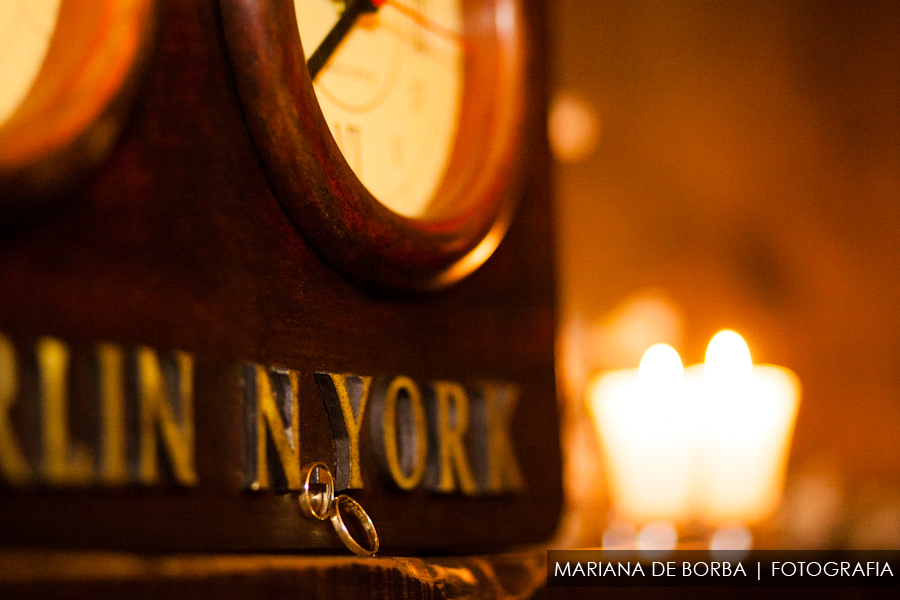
647,436
708,443
746,415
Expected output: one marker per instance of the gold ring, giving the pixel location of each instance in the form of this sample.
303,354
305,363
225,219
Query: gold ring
338,522
316,505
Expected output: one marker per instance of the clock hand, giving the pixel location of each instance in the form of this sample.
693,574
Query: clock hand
348,18
424,21
351,13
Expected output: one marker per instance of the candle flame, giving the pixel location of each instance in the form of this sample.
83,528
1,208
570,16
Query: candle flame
707,443
661,374
728,362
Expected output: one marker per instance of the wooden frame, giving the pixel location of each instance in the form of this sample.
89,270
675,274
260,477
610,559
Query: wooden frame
325,200
72,116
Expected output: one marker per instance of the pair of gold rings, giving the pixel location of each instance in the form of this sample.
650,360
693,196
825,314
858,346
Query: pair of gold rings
317,501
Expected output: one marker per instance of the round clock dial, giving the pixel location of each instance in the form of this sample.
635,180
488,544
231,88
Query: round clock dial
391,92
67,70
388,127
26,27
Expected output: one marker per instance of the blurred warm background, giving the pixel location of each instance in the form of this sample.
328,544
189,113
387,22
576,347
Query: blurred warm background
737,165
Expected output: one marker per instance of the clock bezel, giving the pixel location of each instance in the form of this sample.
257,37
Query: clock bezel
333,211
74,113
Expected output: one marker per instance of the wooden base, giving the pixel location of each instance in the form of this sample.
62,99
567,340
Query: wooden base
92,574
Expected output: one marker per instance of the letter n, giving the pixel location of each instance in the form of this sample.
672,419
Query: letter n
165,390
271,428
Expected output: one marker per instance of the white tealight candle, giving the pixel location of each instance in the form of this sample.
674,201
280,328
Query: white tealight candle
647,436
746,416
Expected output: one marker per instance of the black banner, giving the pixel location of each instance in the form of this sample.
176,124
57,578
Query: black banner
705,568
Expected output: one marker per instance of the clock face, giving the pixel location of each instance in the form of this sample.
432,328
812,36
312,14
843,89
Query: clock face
390,92
389,129
26,27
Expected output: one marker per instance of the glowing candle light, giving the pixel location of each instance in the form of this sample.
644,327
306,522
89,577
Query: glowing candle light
746,416
647,436
704,444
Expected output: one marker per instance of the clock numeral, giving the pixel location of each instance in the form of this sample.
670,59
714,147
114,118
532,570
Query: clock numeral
348,140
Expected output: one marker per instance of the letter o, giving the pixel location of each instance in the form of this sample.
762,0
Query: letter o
392,449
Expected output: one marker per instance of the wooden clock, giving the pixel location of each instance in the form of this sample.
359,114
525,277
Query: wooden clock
303,296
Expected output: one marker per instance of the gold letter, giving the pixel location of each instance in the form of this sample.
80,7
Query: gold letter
345,395
265,406
159,397
62,463
12,462
450,419
113,467
502,469
388,451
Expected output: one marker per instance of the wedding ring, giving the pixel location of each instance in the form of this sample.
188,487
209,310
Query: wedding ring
316,505
362,518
